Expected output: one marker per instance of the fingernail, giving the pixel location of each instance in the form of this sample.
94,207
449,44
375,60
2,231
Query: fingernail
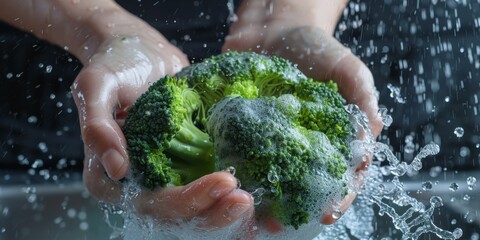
113,161
238,209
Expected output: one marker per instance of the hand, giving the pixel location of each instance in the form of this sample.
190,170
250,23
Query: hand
113,78
287,31
118,71
214,200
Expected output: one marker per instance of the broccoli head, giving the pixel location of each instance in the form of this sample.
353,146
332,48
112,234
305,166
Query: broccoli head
284,133
164,144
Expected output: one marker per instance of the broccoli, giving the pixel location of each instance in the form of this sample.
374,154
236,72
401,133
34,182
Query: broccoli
284,133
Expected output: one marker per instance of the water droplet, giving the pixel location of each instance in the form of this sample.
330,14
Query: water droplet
459,132
337,214
231,170
457,233
386,118
37,163
395,94
43,147
471,181
466,197
32,119
436,201
453,187
257,196
409,148
435,171
273,176
71,213
48,69
427,186
475,236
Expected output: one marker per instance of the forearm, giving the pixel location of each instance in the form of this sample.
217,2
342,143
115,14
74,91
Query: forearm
76,25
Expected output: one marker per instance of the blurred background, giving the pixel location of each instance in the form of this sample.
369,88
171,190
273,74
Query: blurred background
424,55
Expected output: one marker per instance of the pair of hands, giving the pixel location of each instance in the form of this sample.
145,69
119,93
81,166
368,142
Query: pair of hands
122,67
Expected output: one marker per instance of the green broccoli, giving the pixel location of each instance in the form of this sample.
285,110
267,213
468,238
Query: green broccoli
283,132
159,128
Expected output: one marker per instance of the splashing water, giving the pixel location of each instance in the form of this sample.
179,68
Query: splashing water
414,220
471,181
395,94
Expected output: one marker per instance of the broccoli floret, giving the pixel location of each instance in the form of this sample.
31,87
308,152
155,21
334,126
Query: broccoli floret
271,150
164,144
322,112
283,132
254,74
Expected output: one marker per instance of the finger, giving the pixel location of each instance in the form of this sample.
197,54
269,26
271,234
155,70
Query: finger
334,214
272,225
186,202
236,205
356,84
92,91
98,184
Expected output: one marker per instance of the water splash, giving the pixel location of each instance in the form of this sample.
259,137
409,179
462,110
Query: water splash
384,189
459,132
471,181
395,94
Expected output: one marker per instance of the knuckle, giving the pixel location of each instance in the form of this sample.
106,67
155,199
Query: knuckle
91,129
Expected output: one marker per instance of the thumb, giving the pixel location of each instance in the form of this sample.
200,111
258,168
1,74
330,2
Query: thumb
95,95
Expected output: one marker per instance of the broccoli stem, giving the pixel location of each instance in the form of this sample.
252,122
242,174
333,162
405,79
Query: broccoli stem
192,152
